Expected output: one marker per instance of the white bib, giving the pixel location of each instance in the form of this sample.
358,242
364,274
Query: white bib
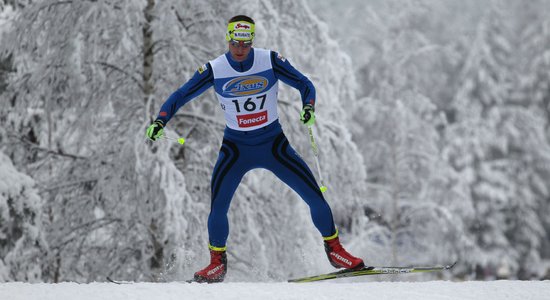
249,99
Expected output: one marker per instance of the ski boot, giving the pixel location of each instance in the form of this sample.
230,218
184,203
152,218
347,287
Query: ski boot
339,257
216,270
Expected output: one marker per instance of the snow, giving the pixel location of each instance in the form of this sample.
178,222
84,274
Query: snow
498,290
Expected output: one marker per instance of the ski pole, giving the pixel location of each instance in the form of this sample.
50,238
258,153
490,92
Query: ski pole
180,140
323,187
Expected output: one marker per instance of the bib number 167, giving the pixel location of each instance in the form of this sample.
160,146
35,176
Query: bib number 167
249,105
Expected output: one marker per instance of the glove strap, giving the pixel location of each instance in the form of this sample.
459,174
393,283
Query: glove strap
159,122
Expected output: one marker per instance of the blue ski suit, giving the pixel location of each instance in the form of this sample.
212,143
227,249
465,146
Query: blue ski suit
262,147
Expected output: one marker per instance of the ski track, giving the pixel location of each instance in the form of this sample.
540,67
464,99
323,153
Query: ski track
440,290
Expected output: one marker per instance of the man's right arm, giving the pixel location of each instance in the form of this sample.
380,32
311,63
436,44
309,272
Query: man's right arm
202,80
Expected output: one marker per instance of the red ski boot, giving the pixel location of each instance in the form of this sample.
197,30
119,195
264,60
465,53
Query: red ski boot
215,271
339,257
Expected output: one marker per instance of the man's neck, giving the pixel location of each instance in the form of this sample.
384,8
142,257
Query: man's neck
241,66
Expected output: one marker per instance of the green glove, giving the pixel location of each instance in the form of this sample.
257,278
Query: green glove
156,130
307,116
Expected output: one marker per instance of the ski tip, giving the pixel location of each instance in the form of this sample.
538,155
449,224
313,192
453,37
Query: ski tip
109,279
450,266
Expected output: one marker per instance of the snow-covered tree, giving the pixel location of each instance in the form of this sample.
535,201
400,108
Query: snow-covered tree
79,115
22,242
534,58
416,204
533,92
493,143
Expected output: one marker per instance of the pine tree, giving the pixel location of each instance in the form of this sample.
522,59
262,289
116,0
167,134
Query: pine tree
534,59
485,146
412,200
416,204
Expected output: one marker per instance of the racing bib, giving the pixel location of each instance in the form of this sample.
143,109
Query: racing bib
248,99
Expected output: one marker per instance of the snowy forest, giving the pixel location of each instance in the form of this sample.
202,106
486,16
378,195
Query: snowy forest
433,124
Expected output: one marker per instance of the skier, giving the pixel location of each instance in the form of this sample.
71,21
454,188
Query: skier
245,81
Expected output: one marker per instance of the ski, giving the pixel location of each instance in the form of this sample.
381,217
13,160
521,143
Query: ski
117,281
109,279
372,271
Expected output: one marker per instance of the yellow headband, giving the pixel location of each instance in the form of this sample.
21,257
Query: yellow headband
240,31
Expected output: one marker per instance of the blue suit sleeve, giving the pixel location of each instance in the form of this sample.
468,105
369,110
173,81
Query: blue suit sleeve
202,80
289,75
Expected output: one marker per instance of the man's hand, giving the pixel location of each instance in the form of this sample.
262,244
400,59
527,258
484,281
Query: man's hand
156,130
307,116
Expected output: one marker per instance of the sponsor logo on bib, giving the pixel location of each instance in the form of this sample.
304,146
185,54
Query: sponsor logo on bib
246,85
252,120
202,68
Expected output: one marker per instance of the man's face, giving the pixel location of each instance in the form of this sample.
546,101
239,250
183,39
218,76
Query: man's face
239,50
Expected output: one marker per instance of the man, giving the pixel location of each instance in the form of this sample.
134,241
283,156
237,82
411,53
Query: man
245,82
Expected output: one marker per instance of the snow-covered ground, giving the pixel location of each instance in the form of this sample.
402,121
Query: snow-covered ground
475,290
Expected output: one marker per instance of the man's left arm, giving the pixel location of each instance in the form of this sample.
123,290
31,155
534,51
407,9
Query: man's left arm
289,75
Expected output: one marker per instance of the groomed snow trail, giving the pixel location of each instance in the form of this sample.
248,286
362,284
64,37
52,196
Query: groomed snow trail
440,290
